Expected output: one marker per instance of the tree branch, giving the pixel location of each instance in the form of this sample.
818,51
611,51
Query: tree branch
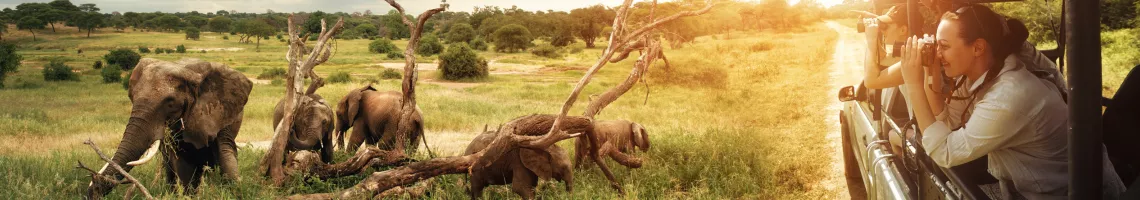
112,164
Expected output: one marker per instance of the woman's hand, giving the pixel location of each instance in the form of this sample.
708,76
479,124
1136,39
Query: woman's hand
871,31
912,70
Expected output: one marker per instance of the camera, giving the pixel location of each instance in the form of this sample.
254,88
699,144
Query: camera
929,52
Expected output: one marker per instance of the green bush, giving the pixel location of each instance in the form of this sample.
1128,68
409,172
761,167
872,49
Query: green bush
511,38
546,51
111,74
460,32
225,37
339,77
479,44
9,60
562,39
144,50
382,46
127,80
460,62
429,46
181,48
390,74
272,73
395,55
124,58
193,33
98,64
56,70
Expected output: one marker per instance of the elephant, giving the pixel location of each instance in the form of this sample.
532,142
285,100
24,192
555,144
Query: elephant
614,136
375,116
201,103
520,167
313,127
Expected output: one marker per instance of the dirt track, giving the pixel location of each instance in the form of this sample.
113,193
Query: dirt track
845,70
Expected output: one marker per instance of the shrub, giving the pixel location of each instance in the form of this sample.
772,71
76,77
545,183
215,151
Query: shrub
460,62
395,55
340,77
460,32
124,58
479,44
272,73
429,46
144,50
382,46
390,74
98,64
111,74
193,33
562,39
546,51
313,37
56,70
575,50
225,37
127,80
9,60
511,38
280,37
181,48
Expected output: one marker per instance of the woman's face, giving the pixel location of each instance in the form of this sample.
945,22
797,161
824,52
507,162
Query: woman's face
956,55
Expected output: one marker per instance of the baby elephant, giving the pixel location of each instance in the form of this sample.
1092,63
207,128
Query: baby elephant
313,127
616,138
519,167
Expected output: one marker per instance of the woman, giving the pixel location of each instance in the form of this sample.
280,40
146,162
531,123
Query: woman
998,108
882,71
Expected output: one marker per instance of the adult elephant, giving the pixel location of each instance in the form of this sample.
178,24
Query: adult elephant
201,103
313,127
375,116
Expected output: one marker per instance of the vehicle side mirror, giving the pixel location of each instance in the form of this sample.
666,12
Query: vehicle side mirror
847,93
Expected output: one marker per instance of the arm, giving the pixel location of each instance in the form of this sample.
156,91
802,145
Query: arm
874,77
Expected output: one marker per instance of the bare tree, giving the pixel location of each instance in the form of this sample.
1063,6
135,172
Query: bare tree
299,68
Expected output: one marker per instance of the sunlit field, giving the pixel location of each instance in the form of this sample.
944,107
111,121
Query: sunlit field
735,115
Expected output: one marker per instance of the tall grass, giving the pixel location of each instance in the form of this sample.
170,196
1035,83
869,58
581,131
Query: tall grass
753,131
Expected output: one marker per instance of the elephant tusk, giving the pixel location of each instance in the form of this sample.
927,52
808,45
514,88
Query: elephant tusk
149,154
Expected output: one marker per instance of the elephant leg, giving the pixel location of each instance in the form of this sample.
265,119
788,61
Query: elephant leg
168,165
595,154
227,152
326,147
581,150
475,191
189,175
523,183
356,137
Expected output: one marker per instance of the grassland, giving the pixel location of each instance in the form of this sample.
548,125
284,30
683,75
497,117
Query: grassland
736,116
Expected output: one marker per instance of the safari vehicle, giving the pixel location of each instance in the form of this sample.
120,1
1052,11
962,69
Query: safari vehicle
868,117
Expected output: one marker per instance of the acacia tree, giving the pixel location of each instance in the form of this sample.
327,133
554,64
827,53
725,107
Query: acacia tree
31,24
252,28
89,21
219,24
590,21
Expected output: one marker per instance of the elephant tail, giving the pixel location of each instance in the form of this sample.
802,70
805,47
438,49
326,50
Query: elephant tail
423,137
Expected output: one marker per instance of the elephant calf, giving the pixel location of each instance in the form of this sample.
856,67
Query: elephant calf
375,116
201,103
616,138
519,167
313,127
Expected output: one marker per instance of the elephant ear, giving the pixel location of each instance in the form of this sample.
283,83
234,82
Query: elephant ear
546,164
639,136
353,101
218,96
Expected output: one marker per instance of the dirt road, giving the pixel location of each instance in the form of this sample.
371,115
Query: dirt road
846,69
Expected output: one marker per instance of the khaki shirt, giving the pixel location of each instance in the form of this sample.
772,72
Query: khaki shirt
1022,123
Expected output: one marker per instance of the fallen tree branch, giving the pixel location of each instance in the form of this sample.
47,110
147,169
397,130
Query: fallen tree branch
130,179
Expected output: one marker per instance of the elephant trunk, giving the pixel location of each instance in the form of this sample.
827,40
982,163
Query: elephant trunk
137,137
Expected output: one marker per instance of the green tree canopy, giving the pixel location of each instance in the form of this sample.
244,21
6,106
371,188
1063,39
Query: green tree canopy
220,24
512,38
461,33
90,21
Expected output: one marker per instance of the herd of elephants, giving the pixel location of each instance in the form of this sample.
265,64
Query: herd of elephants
191,111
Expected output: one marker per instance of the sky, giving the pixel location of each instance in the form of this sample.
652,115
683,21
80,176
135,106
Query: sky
348,6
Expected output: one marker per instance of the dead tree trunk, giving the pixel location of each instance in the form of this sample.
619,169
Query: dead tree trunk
299,67
408,102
